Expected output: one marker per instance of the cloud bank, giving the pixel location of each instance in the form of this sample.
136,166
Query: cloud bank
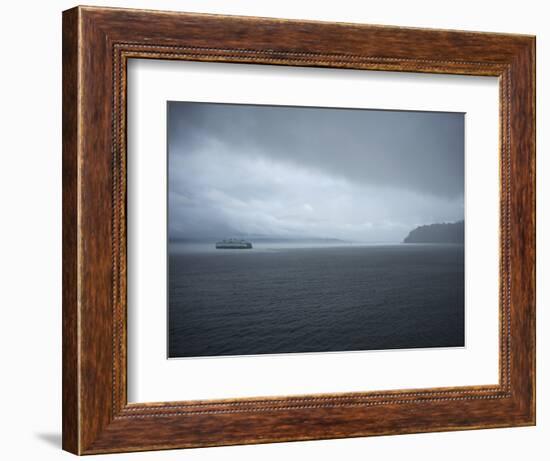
360,175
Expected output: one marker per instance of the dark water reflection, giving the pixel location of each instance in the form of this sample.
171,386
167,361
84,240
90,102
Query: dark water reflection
316,299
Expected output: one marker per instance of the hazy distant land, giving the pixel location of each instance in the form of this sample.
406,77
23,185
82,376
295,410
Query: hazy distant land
437,233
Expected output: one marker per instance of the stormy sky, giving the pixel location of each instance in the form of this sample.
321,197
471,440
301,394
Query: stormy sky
298,172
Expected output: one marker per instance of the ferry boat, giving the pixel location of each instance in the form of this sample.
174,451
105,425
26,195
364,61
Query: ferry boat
233,244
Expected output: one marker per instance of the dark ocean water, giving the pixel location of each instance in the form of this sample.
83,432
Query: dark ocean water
314,299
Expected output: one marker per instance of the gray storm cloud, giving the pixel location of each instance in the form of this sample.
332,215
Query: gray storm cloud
274,171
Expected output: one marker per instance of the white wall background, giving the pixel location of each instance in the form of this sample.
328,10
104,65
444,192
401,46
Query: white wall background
30,243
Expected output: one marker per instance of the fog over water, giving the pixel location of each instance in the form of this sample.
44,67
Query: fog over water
286,172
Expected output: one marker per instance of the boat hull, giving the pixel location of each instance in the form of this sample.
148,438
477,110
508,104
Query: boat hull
234,246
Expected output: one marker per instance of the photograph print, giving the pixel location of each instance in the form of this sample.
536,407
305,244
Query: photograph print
313,230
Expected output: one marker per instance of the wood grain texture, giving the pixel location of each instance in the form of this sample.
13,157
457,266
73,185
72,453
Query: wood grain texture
70,384
97,43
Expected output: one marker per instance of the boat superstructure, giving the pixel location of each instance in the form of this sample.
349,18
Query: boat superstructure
233,244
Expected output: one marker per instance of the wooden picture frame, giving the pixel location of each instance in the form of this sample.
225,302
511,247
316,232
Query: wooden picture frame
97,43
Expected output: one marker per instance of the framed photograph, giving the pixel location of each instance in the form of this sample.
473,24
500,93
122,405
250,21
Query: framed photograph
281,230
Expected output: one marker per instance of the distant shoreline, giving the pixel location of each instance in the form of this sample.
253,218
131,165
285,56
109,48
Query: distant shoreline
437,233
262,247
